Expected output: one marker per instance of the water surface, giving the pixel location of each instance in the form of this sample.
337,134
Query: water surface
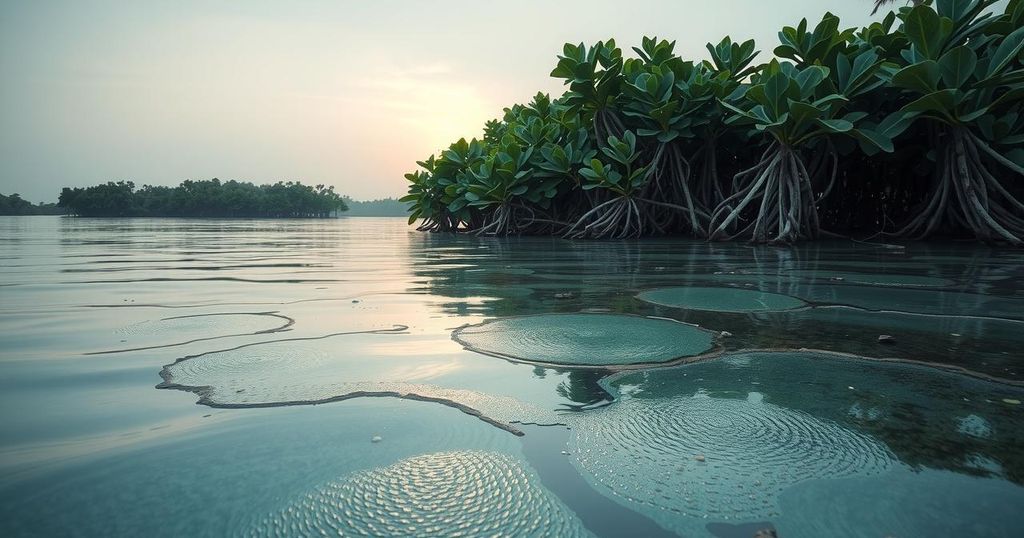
655,387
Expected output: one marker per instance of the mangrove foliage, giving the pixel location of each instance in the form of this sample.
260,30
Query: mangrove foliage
14,204
910,127
211,198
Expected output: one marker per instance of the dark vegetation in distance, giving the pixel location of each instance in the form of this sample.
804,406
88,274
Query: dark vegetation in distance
384,207
911,127
15,205
210,198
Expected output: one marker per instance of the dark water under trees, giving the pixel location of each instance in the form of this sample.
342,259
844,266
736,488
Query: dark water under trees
546,416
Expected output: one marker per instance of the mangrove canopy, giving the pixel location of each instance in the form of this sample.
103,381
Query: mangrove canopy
211,198
14,204
910,127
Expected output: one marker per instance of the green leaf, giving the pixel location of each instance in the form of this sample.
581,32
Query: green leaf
1006,51
943,102
667,136
774,89
875,139
922,77
828,100
809,78
971,116
925,30
836,126
955,9
630,139
897,122
957,66
803,113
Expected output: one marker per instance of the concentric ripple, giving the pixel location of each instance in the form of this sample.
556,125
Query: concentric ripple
464,493
586,339
720,299
716,458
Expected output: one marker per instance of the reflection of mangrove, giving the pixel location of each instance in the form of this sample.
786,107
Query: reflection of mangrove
960,325
582,387
498,277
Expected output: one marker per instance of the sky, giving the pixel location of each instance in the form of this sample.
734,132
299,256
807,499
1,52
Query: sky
342,93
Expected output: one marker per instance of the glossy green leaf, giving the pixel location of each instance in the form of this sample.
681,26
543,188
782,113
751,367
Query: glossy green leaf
1006,51
836,126
922,77
925,29
957,66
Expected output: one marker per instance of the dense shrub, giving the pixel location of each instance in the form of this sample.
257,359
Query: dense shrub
909,127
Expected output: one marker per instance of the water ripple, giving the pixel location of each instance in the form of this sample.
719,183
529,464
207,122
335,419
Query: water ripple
586,339
727,459
464,493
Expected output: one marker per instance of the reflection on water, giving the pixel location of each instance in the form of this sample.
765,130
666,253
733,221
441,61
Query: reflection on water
287,313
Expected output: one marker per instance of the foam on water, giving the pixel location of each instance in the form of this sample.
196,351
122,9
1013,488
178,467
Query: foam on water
461,493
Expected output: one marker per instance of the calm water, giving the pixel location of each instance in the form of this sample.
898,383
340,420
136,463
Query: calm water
340,390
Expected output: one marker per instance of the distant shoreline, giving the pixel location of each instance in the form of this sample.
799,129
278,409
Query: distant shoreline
343,216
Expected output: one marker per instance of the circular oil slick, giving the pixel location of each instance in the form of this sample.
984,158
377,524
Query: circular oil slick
586,339
720,299
463,493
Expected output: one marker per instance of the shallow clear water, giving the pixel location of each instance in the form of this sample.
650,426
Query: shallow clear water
341,387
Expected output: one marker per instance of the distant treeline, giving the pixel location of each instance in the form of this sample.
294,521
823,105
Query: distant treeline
15,205
384,207
211,198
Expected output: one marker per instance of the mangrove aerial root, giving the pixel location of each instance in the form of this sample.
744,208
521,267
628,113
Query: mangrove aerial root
968,195
787,210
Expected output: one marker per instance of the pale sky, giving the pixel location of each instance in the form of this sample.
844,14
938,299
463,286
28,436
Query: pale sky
343,93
